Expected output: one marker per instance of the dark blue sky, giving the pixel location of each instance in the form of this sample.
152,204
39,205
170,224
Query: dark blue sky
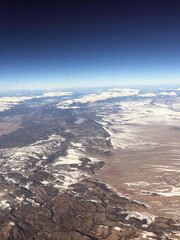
48,44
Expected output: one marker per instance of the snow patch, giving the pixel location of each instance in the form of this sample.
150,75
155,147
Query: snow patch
4,204
141,216
148,235
117,228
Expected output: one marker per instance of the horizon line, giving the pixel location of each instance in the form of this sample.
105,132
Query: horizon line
97,86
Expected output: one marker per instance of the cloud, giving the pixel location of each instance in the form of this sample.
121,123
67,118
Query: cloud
55,94
147,95
168,93
8,102
98,97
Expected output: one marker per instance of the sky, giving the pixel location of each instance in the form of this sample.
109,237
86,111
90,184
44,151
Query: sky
79,43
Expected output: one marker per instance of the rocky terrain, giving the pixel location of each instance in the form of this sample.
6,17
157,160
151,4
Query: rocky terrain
65,166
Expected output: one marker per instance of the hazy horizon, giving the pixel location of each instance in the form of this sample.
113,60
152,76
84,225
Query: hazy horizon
166,86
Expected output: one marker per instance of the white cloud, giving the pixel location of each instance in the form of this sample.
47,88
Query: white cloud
168,93
8,102
147,95
124,90
98,97
55,94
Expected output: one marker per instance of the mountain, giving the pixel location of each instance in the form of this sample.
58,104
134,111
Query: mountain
90,165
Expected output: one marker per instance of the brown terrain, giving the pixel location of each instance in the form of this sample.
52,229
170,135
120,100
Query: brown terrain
107,170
